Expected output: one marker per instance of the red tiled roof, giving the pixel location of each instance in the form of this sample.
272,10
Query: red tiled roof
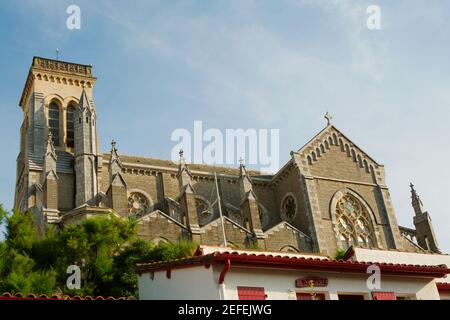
443,286
19,296
289,262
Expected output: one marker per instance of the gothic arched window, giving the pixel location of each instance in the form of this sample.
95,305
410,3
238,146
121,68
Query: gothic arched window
354,226
53,122
204,211
138,204
70,117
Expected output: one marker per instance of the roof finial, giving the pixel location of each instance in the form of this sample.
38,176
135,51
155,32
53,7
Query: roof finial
113,144
241,161
415,200
57,54
329,117
181,153
50,141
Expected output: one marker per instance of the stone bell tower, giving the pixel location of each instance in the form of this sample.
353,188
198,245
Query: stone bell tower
49,102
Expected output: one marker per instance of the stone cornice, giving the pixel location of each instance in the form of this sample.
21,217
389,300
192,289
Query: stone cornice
62,72
62,67
145,169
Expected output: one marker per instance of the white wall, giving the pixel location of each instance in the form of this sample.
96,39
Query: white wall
199,283
194,283
278,283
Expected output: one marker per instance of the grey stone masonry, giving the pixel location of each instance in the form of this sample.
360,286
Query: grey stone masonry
85,152
249,204
426,238
66,179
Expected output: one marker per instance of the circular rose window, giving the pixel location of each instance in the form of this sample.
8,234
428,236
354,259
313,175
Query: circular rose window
288,208
137,204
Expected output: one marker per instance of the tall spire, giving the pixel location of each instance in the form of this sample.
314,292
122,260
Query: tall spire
425,235
50,160
50,151
115,161
115,164
48,187
415,201
86,152
249,205
244,178
84,101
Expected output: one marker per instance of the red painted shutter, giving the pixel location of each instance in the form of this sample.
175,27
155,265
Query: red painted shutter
383,296
304,296
251,293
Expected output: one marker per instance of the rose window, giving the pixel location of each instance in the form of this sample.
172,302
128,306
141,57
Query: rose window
137,204
353,223
288,208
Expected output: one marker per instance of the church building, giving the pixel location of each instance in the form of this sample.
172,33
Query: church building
330,194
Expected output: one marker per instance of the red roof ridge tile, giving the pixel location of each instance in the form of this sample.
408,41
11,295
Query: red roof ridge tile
32,296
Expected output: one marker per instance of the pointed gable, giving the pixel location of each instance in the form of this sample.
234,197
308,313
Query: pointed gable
51,175
332,141
118,180
84,104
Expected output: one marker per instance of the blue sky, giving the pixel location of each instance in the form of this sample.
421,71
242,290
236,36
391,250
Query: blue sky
252,64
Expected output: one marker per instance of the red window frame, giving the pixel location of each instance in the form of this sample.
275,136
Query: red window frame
344,296
251,293
378,295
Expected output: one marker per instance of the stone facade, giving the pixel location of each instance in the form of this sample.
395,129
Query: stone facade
329,195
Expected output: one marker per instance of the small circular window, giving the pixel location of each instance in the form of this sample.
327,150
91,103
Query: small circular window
288,208
137,204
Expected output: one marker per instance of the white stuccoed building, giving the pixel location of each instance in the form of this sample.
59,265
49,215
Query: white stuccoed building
220,273
392,256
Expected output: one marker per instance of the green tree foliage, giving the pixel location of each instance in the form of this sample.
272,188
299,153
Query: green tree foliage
18,271
105,248
340,254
